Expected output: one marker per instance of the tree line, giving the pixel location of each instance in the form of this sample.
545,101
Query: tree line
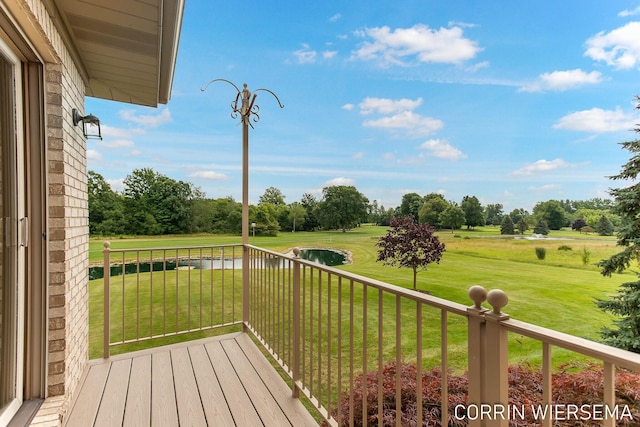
154,204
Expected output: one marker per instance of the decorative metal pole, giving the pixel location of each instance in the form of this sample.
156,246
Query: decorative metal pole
248,111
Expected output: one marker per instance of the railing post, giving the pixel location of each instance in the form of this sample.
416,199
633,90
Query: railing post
245,287
609,393
476,350
295,368
496,381
106,273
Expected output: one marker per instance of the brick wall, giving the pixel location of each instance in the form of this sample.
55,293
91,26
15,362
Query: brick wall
68,321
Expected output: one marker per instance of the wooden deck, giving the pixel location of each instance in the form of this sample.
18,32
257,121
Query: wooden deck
221,381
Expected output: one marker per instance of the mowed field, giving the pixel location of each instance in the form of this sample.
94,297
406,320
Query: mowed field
558,292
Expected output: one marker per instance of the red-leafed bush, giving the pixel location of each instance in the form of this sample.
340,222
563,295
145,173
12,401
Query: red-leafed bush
577,386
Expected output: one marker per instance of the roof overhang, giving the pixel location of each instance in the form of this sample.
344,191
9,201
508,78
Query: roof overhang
126,49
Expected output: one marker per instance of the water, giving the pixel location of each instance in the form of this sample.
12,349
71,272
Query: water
321,256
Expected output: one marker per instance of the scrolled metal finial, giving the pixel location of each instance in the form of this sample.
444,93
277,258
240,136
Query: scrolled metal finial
498,299
246,99
478,295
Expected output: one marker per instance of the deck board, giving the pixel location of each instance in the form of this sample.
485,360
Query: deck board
190,411
242,409
269,410
83,412
219,381
138,406
112,405
163,402
297,414
214,402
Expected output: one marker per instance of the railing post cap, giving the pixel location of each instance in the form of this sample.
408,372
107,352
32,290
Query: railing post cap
478,295
106,244
296,251
498,299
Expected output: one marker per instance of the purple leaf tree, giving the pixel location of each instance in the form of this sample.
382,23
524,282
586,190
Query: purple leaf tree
409,245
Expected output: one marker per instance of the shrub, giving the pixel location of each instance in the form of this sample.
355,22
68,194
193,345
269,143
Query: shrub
584,387
586,255
565,248
586,229
541,253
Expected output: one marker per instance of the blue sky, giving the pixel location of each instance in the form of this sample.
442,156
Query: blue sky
511,102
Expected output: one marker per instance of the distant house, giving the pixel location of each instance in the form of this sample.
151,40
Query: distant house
53,53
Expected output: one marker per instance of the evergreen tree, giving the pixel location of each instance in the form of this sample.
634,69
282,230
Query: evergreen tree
626,303
522,225
604,227
506,227
541,227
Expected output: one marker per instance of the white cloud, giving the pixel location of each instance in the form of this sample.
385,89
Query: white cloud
108,131
94,156
359,155
116,184
619,48
388,106
339,181
146,120
628,12
461,24
335,17
411,123
480,65
389,156
446,45
563,80
328,54
597,120
210,175
541,166
545,188
442,149
305,55
116,143
348,107
135,153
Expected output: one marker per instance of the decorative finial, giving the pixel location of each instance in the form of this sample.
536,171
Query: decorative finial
478,295
106,245
296,252
498,299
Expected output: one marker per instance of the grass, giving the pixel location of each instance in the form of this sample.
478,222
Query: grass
557,292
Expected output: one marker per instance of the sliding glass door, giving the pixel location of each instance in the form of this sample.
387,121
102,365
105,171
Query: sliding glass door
12,236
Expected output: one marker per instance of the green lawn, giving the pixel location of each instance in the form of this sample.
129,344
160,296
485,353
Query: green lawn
557,292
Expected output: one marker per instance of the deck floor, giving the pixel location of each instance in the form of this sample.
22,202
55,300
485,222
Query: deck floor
221,381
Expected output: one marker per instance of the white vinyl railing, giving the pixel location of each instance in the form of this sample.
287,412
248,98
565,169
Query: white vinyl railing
327,328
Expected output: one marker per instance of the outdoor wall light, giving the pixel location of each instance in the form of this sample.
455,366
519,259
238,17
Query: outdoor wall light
90,124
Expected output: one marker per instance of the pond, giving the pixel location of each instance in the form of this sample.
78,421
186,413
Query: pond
327,257
321,256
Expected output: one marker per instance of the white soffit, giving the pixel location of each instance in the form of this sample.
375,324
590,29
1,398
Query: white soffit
127,47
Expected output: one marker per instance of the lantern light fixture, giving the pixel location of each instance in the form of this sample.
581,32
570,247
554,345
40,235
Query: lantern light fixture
90,124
